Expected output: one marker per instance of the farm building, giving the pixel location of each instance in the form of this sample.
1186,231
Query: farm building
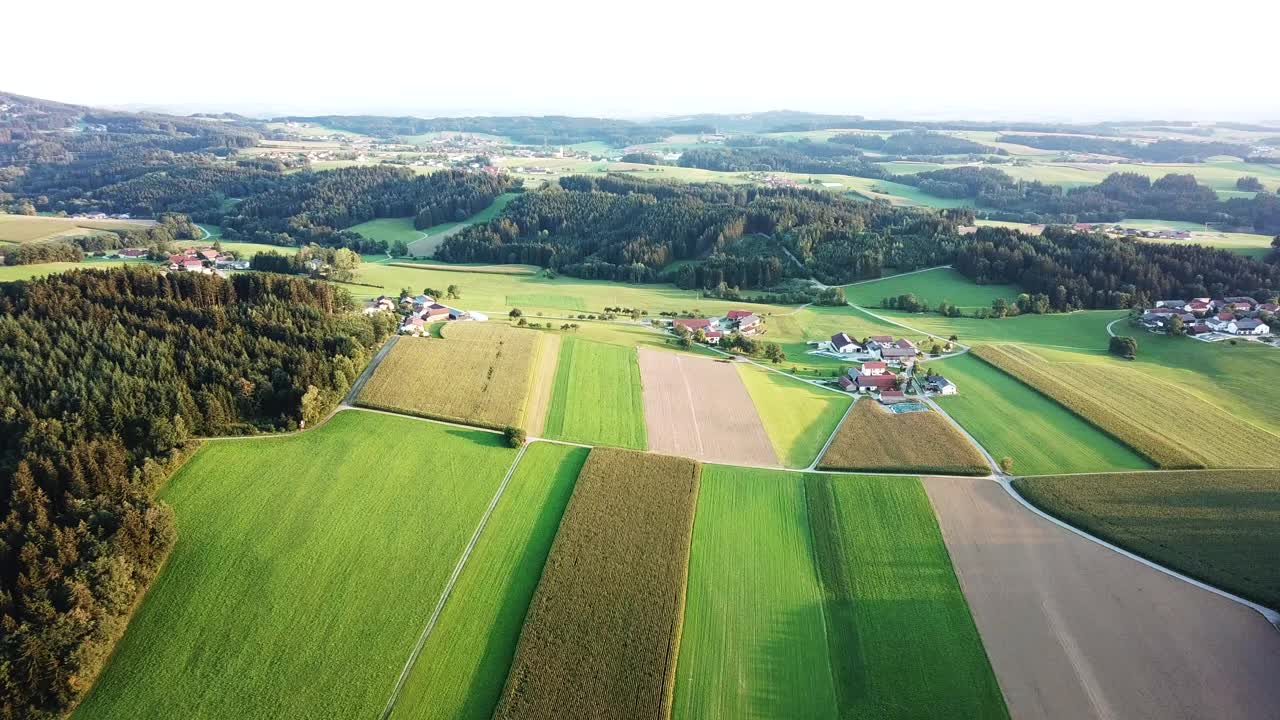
692,324
749,325
713,337
846,383
901,356
871,368
891,397
1248,326
905,344
867,383
1269,307
939,384
842,343
736,315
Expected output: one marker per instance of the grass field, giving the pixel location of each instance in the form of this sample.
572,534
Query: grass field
934,286
1082,330
1012,420
478,374
902,642
422,243
597,397
9,273
754,642
389,229
797,416
1215,525
873,439
464,663
603,629
299,582
1138,410
33,228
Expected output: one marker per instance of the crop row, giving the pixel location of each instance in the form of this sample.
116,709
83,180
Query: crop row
873,439
602,632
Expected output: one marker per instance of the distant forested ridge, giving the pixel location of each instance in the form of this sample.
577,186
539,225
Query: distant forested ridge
105,376
803,156
529,130
1158,151
306,207
1091,270
619,228
916,142
1119,195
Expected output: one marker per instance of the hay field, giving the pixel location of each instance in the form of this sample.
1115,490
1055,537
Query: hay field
477,374
33,228
873,439
597,398
798,416
603,629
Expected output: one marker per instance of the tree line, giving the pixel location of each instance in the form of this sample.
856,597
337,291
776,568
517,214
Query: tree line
106,377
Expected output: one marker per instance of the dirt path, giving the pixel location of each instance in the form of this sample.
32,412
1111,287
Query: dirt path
358,385
544,380
1075,630
698,407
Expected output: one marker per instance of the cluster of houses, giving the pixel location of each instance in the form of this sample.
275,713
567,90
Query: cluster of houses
713,329
205,260
902,352
874,376
1234,316
419,311
1113,229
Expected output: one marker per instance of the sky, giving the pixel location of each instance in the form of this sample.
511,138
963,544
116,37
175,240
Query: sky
984,59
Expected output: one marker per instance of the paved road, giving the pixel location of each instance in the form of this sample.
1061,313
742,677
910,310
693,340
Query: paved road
1075,630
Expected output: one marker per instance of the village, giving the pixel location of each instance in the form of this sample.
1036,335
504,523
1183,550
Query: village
1212,320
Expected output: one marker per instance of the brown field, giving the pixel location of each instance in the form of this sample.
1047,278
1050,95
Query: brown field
603,630
32,228
1075,630
1137,409
543,381
699,408
872,439
477,374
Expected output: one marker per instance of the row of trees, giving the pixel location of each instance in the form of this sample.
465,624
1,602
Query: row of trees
106,377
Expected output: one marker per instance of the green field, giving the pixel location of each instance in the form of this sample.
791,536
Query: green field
1081,330
464,662
1215,525
304,570
754,634
597,397
422,243
902,642
390,230
935,286
33,228
9,273
1010,419
797,416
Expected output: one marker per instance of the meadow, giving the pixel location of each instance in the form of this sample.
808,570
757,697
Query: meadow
797,416
477,373
935,286
754,640
300,593
597,397
9,273
33,228
1012,420
1137,410
873,439
464,663
1214,525
902,642
602,605
1080,330
423,243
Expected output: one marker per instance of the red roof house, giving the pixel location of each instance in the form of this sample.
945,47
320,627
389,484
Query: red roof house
692,324
866,383
737,314
889,397
882,339
874,368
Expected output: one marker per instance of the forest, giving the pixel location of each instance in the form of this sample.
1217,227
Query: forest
916,142
1158,151
107,377
544,130
1092,271
619,228
1119,195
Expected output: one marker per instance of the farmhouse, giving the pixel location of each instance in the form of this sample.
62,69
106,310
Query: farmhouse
842,343
901,356
436,311
939,384
1239,302
871,368
749,325
413,326
132,253
692,324
846,383
905,344
713,337
1248,326
867,383
891,397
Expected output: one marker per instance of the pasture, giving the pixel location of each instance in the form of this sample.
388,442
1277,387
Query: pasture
9,273
1137,409
935,286
717,421
902,642
464,662
389,230
1012,420
754,640
873,439
477,374
602,605
33,228
597,398
1080,330
299,582
798,417
1214,525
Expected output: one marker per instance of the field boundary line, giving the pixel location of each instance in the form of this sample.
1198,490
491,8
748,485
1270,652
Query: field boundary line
1270,615
448,588
813,466
890,277
995,466
369,369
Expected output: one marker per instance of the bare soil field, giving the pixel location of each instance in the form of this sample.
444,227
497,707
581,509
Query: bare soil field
543,381
699,408
1075,630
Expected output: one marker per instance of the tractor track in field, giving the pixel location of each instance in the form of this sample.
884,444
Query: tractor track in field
448,588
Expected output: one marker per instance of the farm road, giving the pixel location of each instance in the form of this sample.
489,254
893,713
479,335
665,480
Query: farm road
358,385
1077,630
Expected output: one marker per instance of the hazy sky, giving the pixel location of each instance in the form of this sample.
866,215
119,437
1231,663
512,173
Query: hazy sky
1074,60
